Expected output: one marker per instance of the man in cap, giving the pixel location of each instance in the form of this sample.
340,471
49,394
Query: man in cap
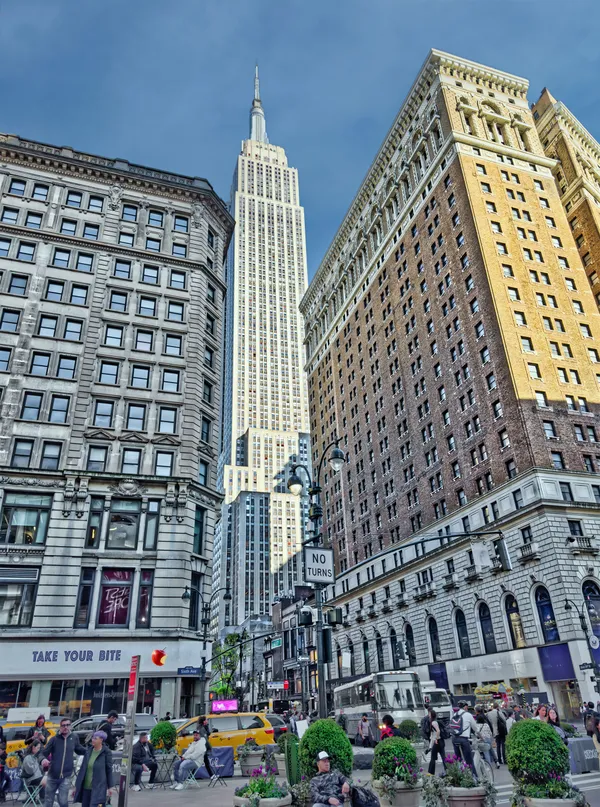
328,787
190,761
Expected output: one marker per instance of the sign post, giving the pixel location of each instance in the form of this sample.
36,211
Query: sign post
129,728
319,569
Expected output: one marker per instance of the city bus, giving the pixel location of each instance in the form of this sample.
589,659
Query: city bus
398,694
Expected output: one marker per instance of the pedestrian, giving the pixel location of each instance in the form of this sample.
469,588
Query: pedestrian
498,723
143,758
461,726
31,769
204,732
510,722
57,759
590,719
487,739
94,780
328,787
167,717
388,729
541,713
364,732
437,744
106,726
38,732
189,761
554,721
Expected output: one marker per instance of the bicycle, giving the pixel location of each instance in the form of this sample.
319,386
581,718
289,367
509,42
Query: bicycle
482,767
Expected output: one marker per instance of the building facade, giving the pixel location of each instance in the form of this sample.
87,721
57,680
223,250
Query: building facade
452,339
111,309
265,423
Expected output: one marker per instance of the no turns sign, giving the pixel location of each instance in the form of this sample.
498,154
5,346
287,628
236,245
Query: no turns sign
318,565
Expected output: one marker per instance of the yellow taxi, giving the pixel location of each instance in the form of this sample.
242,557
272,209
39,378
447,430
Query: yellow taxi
16,733
230,728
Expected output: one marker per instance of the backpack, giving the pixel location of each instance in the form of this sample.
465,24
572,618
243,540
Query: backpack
455,726
363,797
591,722
426,727
502,730
444,733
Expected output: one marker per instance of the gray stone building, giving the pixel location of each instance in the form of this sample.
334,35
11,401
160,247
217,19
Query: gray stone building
111,307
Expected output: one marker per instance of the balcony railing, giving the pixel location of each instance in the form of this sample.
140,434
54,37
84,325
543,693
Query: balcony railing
473,572
402,599
360,615
425,590
386,605
583,544
496,565
450,581
372,612
529,552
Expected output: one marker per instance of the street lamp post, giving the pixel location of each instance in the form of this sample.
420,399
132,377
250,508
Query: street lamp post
336,459
569,605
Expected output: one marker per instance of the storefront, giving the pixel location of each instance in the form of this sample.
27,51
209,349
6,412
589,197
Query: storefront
79,678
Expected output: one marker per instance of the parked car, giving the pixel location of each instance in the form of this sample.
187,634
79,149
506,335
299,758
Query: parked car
279,725
232,729
16,733
85,725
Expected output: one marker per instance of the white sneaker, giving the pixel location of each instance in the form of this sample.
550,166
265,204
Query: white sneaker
136,787
178,786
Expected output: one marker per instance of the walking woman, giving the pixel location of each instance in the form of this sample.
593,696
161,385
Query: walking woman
437,745
94,780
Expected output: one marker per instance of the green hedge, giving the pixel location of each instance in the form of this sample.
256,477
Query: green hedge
163,735
534,751
390,753
326,735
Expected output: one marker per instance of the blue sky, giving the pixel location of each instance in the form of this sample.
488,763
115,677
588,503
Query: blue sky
169,84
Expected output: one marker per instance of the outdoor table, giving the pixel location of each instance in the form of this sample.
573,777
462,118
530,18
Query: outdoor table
164,772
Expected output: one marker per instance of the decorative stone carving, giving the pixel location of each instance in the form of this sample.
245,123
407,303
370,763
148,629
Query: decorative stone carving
128,487
41,482
115,194
81,497
197,215
68,497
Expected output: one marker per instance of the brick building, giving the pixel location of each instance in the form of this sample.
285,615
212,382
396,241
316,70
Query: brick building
452,341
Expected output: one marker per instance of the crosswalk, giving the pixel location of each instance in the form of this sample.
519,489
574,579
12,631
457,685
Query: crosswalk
584,781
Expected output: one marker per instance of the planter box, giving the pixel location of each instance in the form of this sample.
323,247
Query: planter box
550,802
278,761
466,796
250,763
403,797
240,801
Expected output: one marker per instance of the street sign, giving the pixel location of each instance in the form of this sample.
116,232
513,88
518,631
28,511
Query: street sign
303,659
188,671
275,685
587,665
128,732
594,642
276,643
318,565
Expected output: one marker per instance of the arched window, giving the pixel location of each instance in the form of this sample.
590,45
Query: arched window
463,634
546,615
591,595
379,649
487,628
410,645
366,655
396,650
434,640
352,659
515,626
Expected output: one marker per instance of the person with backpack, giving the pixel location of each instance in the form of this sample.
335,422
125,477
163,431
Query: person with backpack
438,734
388,730
590,720
460,728
499,730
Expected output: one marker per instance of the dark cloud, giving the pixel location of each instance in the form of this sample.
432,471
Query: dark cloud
169,84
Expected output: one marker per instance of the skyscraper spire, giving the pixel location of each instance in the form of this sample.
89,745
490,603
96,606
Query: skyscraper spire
258,126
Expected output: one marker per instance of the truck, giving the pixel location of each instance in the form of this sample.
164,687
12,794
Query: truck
437,699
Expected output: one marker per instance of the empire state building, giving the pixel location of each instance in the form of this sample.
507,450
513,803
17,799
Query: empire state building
265,417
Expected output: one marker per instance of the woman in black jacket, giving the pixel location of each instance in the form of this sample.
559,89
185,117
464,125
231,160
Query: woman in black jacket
38,732
94,780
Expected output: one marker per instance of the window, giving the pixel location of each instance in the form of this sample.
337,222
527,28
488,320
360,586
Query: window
566,492
61,258
140,376
163,463
59,409
5,360
143,340
115,597
91,231
50,458
210,324
181,224
40,192
97,459
84,262
131,461
153,244
210,238
487,629
147,307
203,473
113,336
66,367
123,523
109,372
18,285
96,203
84,598
32,405
68,227
175,311
557,460
73,328
209,356
179,250
33,220
21,456
520,318
177,280
125,239
167,422
10,215
24,519
527,344
534,371
462,634
55,290
25,252
122,269
205,430
129,213
18,596
73,199
79,295
152,525
118,301
17,187
513,294
150,274
507,270
504,439
47,326
486,187
207,392
103,414
136,417
549,429
4,247
170,381
173,344
144,599
211,294
155,218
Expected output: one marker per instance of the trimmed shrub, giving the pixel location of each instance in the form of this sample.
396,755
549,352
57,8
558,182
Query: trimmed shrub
410,730
390,753
569,729
326,735
163,735
535,752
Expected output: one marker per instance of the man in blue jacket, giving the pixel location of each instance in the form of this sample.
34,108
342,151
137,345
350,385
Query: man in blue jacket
58,761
